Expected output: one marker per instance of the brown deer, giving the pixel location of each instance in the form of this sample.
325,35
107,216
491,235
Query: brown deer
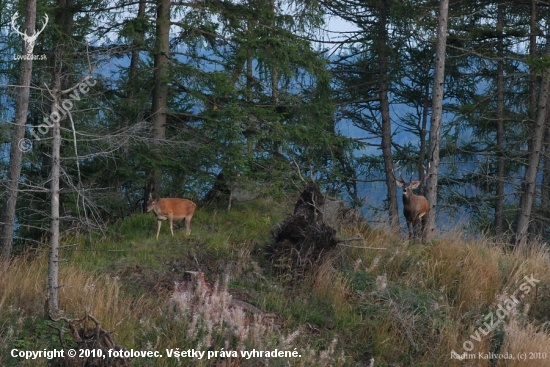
172,209
415,207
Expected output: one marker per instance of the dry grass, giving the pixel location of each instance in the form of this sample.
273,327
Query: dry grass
473,274
473,277
100,295
328,283
23,286
527,341
412,305
22,294
485,276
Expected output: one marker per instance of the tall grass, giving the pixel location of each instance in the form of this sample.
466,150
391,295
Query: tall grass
22,285
465,280
397,302
528,344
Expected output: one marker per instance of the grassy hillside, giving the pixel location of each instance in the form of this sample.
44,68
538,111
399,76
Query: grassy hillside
406,304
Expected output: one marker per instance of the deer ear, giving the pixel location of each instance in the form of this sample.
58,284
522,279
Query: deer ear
399,183
414,184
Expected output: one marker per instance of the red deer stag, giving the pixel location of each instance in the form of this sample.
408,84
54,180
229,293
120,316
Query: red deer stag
415,207
172,209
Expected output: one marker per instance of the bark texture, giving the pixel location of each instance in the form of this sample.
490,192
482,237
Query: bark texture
386,121
437,113
160,90
499,199
530,180
16,154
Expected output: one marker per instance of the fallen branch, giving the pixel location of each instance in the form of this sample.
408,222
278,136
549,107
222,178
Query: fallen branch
349,239
88,337
251,308
370,248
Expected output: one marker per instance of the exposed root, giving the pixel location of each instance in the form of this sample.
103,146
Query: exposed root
304,237
94,339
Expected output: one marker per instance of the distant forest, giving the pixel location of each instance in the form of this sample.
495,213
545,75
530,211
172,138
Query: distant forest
106,103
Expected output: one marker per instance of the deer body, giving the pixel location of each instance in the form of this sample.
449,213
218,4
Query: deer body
415,208
172,209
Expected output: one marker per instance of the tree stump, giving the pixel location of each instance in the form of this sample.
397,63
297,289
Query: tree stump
304,238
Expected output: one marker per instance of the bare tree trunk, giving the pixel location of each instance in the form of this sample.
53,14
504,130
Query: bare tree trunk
249,70
532,97
53,265
544,192
133,72
386,121
533,54
130,114
543,215
16,154
274,71
64,18
437,113
499,200
160,90
249,133
277,150
422,136
60,79
529,185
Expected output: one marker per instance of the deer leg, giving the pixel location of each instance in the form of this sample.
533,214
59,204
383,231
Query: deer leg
415,227
171,219
158,229
424,222
409,224
187,225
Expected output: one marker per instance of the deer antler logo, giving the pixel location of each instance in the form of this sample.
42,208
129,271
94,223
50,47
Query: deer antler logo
29,40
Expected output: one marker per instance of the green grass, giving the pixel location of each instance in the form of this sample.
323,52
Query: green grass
407,305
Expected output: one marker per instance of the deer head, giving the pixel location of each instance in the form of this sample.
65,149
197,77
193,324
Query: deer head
408,187
29,40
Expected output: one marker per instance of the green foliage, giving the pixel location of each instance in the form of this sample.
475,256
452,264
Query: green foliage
136,28
539,64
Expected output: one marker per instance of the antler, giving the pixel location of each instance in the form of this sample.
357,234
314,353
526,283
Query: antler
31,39
44,24
400,175
13,19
